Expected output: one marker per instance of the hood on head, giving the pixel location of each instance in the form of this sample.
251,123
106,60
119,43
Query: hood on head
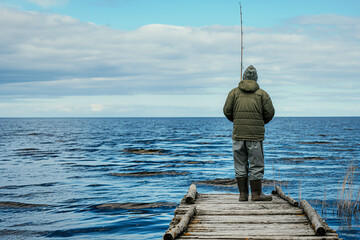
250,73
248,85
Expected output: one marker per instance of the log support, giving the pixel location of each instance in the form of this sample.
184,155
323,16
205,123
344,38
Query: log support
315,219
191,195
286,197
179,228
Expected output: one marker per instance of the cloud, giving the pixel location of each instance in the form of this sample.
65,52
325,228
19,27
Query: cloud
326,19
96,107
51,49
49,55
48,3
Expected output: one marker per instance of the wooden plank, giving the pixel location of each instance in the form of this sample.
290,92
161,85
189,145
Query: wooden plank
222,202
232,198
244,212
235,206
264,219
279,227
253,233
259,237
225,195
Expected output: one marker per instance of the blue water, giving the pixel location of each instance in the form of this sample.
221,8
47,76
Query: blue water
67,167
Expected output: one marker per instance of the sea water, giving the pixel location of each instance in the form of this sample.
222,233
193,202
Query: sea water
121,178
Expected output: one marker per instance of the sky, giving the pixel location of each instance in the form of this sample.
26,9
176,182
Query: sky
158,58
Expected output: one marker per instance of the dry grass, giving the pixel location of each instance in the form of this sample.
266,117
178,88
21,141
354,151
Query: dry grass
348,201
274,173
323,208
299,186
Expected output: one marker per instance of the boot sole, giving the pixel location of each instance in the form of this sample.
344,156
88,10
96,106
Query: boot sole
262,200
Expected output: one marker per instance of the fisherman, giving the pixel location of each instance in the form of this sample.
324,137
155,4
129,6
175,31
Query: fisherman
249,108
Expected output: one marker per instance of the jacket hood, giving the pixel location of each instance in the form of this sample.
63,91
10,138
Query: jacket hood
248,85
250,73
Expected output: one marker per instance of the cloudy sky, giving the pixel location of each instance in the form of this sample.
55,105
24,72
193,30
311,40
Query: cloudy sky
160,58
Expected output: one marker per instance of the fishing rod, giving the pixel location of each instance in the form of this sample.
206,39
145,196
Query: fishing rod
241,47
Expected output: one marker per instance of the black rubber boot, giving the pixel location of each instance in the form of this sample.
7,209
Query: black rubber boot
243,186
256,192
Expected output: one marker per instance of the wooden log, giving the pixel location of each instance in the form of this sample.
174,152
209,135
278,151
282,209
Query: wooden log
328,229
191,195
314,217
179,228
286,197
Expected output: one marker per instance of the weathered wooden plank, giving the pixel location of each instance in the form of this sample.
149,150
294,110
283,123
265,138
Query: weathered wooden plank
242,203
232,198
276,229
255,221
251,225
244,212
249,219
280,227
236,206
222,195
251,233
260,237
227,203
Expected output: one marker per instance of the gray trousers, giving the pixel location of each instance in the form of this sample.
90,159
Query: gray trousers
248,159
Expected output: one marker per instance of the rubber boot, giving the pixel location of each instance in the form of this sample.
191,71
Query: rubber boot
256,192
243,186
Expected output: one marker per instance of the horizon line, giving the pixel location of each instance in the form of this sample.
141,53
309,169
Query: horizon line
187,117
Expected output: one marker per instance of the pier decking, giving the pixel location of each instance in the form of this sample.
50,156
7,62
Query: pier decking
222,216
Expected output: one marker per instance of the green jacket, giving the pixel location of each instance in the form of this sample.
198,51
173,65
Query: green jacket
249,108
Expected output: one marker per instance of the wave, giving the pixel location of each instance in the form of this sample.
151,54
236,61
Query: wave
21,205
148,174
132,206
50,184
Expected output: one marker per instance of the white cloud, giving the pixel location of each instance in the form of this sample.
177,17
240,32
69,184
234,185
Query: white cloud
326,19
96,107
48,55
49,3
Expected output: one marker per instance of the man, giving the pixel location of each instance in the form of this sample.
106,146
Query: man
249,108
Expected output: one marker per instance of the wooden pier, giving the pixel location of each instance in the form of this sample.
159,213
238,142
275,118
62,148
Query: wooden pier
222,216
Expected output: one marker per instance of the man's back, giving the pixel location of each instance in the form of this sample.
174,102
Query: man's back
249,108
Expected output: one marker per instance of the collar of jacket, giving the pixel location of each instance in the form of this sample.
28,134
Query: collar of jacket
248,85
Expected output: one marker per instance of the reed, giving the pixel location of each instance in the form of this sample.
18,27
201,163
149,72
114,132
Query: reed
323,208
299,186
348,197
273,173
